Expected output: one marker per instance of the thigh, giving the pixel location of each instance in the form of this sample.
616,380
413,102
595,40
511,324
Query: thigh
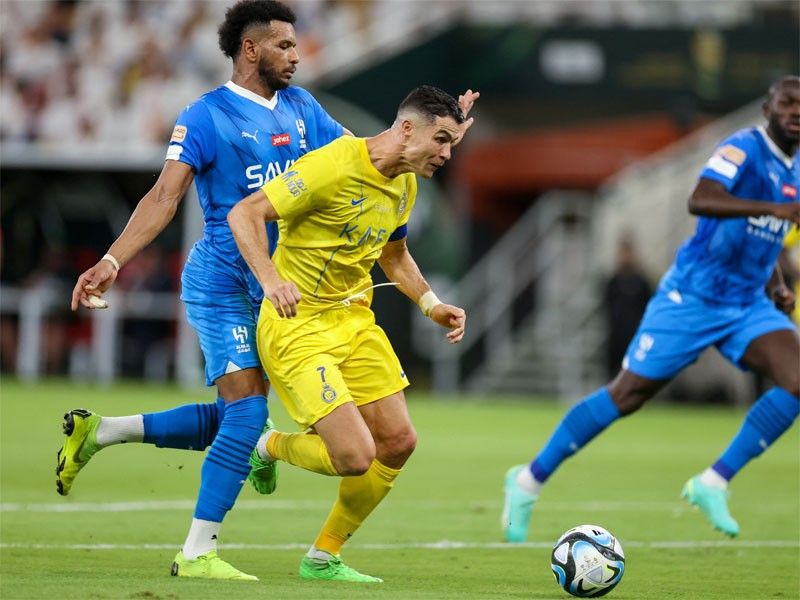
752,342
388,417
776,355
372,370
221,313
302,357
673,332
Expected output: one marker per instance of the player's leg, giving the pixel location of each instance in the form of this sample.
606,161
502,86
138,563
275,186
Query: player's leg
224,470
776,355
580,425
667,340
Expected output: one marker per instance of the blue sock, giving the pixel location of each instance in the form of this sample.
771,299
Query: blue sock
771,415
579,426
226,466
188,427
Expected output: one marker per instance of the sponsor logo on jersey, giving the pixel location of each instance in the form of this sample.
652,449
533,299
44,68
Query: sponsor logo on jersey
178,134
281,139
294,183
769,228
789,190
252,136
258,175
733,154
174,152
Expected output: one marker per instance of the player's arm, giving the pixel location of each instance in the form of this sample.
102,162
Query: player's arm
401,268
152,214
779,292
246,220
711,199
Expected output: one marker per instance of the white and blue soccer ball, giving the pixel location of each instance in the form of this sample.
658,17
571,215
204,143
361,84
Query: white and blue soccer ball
588,561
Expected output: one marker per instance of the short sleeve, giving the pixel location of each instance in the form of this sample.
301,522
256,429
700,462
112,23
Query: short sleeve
193,139
304,186
730,160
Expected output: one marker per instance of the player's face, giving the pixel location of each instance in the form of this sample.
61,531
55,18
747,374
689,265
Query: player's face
278,56
429,145
783,113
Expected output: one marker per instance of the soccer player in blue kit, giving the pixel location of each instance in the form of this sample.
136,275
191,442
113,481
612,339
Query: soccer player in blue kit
230,141
713,295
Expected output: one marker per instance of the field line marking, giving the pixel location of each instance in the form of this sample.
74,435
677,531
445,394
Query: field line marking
676,506
440,545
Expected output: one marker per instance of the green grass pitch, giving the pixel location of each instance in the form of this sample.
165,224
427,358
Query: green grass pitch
437,534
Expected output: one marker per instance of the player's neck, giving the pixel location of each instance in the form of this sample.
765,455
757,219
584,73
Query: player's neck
253,83
788,147
386,153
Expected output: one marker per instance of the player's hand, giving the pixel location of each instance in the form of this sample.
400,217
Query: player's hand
788,210
93,283
452,318
783,298
465,102
283,294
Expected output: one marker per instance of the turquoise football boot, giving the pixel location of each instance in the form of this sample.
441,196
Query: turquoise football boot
517,508
714,504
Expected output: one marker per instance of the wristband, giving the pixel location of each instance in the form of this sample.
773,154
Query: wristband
112,260
427,302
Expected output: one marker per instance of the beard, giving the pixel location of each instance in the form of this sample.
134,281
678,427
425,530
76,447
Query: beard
270,77
783,133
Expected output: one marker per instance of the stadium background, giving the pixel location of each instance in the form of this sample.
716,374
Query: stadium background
575,96
594,119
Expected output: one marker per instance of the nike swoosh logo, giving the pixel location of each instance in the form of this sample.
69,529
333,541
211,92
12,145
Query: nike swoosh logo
356,202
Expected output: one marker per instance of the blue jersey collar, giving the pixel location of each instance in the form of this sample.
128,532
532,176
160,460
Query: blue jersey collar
245,93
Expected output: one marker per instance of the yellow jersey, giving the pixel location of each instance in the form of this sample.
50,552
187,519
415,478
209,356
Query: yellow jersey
337,212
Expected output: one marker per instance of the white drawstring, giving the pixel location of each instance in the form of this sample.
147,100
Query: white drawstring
363,295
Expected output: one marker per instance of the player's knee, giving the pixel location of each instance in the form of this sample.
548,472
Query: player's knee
354,461
395,450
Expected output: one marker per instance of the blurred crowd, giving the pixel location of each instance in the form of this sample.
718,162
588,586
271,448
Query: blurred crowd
118,71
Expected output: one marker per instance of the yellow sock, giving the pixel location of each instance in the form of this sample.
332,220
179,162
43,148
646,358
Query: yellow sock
358,496
304,450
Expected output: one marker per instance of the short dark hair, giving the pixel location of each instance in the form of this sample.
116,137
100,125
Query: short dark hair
432,102
244,14
786,80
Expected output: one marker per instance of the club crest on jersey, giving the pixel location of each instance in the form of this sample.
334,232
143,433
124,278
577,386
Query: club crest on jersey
328,393
281,139
301,130
403,202
789,191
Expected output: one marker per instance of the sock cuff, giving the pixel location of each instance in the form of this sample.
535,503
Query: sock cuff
784,402
602,407
388,474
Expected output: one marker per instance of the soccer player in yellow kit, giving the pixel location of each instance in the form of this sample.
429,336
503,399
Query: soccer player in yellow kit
339,209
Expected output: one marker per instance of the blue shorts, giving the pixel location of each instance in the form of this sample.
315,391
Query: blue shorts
677,327
222,299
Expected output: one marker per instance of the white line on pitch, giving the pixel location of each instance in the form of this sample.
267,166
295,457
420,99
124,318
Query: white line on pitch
440,545
283,505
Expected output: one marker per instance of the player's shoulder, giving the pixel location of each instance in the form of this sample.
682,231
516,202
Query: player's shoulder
297,95
200,106
740,146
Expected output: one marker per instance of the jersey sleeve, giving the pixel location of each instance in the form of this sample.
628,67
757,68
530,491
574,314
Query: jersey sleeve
411,199
193,139
304,186
730,160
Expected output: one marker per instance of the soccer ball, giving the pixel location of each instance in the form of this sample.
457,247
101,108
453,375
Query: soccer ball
587,561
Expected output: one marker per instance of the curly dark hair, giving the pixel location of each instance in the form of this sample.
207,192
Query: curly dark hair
432,102
246,13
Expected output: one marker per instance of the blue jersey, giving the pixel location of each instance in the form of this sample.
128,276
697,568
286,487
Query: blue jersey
730,260
236,141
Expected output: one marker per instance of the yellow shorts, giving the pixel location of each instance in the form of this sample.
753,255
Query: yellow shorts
320,361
